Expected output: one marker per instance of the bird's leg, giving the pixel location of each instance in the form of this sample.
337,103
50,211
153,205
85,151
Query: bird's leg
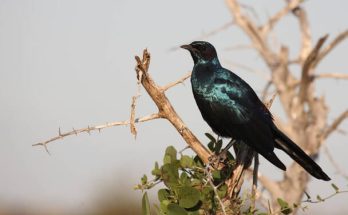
223,153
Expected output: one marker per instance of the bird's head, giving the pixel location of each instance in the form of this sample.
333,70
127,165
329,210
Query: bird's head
201,51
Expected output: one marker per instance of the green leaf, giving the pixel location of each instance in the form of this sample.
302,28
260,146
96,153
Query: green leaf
193,212
282,203
285,209
145,205
170,175
156,171
211,146
188,197
320,199
211,137
262,213
335,187
222,191
198,161
174,209
167,159
144,180
170,155
230,156
186,161
163,194
164,206
218,146
216,174
185,179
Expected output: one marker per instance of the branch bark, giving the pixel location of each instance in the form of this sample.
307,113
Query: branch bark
166,110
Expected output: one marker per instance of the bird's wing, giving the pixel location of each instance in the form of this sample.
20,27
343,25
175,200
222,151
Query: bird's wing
233,96
243,111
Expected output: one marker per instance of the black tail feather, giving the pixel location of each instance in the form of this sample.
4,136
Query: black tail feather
295,152
271,157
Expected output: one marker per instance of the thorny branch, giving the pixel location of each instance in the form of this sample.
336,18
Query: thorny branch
96,128
100,127
180,81
166,110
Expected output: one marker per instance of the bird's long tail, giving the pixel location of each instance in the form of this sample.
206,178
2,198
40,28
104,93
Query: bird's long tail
295,152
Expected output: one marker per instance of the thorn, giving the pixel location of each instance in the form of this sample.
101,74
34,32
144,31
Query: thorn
99,129
59,132
74,131
89,130
45,146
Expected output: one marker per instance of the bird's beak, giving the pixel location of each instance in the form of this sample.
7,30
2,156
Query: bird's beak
188,47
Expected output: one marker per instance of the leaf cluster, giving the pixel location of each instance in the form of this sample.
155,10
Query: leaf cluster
187,189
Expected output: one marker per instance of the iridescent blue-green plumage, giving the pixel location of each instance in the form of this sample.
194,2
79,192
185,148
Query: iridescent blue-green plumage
232,109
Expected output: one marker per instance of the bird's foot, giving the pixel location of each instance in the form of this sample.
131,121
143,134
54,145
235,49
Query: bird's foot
217,159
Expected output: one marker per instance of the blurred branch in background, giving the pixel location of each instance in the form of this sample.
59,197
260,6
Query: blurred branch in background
306,113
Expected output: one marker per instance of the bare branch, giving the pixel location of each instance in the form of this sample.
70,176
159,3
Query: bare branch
96,128
208,173
279,15
234,184
174,83
339,38
166,110
335,124
306,38
251,30
332,75
307,66
270,102
265,90
134,98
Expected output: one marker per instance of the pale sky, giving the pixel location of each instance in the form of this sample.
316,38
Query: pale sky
71,64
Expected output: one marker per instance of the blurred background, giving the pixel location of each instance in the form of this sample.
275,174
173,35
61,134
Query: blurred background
70,64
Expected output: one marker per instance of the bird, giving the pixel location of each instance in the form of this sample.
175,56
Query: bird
233,110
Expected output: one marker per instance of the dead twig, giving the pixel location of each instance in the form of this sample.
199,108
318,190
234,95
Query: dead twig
96,128
179,81
134,98
339,38
166,110
331,75
306,70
